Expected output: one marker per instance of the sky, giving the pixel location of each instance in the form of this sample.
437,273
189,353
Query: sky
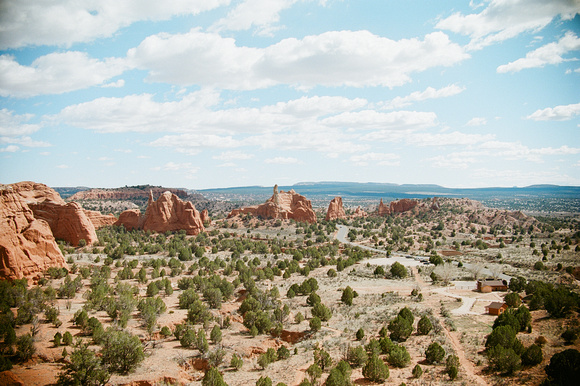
220,93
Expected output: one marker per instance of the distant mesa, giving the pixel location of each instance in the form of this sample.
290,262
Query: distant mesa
126,193
282,205
168,213
335,210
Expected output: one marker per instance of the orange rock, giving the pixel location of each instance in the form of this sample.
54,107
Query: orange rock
383,209
359,212
8,378
68,222
27,244
205,216
335,209
100,220
130,219
402,205
282,205
168,213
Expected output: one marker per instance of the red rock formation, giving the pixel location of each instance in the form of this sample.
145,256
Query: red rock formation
68,222
402,205
100,220
435,204
282,205
383,210
205,216
335,209
359,212
168,213
123,193
130,219
27,245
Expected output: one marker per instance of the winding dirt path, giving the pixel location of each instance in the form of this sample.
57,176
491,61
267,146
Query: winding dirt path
468,367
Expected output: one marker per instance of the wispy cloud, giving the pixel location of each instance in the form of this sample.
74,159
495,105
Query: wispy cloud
428,93
558,113
282,160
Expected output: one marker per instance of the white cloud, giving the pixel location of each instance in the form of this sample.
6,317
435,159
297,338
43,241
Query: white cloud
548,54
24,141
460,160
505,19
62,166
64,22
55,73
429,93
194,143
233,155
455,138
177,167
282,160
378,159
477,121
13,125
263,14
370,119
9,149
558,113
336,58
118,84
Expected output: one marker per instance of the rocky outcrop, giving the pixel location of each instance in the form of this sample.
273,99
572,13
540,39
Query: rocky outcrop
403,205
282,205
335,210
100,220
435,204
205,217
27,244
168,213
126,193
383,210
68,222
359,212
130,219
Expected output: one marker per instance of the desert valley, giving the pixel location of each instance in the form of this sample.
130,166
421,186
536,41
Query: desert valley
166,287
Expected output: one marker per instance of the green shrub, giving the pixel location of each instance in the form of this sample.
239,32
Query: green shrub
434,353
502,359
356,356
400,329
121,352
213,377
417,371
360,334
375,369
564,367
532,356
83,368
399,356
398,270
424,326
236,362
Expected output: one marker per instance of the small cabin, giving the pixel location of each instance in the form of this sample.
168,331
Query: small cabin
489,285
496,308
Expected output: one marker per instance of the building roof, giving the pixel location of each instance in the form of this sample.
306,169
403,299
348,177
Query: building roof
491,282
496,305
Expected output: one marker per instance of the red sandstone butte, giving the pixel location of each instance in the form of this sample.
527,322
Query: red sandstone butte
168,213
402,205
335,210
383,210
27,245
282,205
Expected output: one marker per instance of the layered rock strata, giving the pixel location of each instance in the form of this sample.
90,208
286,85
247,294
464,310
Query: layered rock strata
335,210
282,205
168,213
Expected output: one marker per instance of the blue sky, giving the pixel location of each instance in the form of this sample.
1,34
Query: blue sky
218,93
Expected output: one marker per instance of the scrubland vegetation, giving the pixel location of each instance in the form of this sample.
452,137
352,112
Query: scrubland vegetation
266,302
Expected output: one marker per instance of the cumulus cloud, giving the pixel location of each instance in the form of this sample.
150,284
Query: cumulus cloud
233,155
55,73
13,125
9,149
336,58
176,167
371,119
428,93
282,160
558,113
548,54
379,159
64,22
504,19
262,14
476,121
